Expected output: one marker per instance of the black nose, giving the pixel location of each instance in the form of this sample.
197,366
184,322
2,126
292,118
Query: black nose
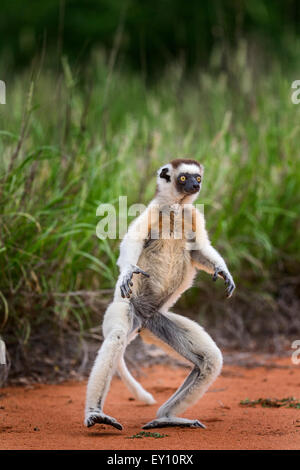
191,185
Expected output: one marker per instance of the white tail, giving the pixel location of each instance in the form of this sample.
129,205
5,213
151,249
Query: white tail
136,389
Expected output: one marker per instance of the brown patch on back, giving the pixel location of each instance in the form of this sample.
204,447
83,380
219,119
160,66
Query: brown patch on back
178,161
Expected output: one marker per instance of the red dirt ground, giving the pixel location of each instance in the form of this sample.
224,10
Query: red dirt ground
51,416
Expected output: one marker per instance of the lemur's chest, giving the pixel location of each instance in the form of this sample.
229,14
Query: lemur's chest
165,255
167,262
166,252
165,249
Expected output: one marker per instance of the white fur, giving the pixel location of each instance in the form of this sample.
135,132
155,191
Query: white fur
131,248
188,168
116,326
203,244
166,193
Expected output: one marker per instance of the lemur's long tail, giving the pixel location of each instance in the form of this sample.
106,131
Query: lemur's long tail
136,389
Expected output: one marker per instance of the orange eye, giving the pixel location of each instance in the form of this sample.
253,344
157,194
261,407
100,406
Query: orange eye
198,179
182,178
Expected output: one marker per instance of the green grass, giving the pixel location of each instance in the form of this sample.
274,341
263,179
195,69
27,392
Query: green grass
289,402
70,141
141,434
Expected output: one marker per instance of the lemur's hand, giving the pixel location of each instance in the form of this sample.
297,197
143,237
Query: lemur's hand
126,284
229,283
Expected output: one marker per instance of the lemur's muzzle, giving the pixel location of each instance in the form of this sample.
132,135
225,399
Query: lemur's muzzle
191,185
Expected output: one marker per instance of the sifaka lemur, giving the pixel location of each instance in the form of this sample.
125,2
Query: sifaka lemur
159,257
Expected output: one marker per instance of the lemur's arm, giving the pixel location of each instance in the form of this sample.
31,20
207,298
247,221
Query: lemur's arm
130,250
205,257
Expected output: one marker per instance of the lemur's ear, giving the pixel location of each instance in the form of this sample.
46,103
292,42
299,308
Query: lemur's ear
164,174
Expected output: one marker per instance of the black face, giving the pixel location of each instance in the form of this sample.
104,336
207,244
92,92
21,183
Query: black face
188,183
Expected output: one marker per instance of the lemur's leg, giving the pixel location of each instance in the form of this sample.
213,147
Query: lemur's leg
191,341
117,324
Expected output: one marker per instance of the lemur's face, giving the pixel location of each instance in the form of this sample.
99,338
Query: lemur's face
188,183
180,178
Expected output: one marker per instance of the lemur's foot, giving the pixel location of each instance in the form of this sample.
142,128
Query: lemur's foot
173,421
97,416
127,283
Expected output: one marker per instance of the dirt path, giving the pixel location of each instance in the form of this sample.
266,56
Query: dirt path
51,416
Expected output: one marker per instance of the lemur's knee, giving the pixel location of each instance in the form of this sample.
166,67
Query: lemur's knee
117,319
210,361
217,360
117,336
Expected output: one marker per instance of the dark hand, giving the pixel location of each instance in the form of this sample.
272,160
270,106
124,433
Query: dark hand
127,283
229,283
